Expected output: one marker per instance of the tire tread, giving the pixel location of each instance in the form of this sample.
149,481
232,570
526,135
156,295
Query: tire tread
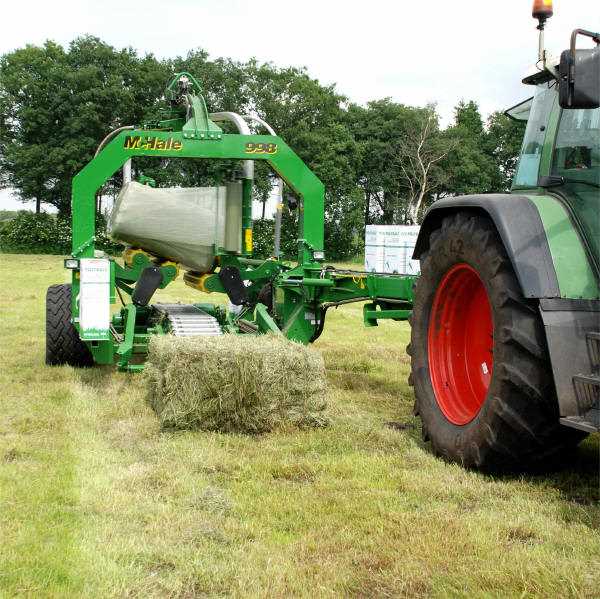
520,423
63,344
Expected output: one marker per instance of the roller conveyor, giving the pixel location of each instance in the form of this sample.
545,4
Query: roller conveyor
189,321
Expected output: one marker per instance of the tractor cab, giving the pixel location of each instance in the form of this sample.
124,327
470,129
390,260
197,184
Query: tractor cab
561,148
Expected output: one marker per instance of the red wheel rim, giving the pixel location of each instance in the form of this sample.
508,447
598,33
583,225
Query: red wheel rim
460,344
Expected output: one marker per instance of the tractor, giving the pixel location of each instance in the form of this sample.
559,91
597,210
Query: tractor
505,315
505,338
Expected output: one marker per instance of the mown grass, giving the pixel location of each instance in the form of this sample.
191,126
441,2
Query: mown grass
96,502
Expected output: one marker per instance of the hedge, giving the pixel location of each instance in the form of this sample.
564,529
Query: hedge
30,233
263,238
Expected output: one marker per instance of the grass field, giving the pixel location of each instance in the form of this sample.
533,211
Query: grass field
95,502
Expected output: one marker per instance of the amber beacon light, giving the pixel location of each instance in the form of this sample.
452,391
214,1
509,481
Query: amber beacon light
542,10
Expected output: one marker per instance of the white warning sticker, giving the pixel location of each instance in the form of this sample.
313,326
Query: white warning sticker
94,298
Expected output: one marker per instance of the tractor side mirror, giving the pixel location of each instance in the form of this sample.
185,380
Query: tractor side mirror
579,76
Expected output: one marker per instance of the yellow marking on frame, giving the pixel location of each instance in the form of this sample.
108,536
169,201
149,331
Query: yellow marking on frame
197,282
248,239
360,281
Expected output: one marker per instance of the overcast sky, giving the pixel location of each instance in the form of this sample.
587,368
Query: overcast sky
413,52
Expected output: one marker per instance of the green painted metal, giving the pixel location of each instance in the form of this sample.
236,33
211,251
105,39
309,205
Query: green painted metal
140,142
199,126
125,347
141,260
247,244
302,291
372,312
576,278
172,90
264,321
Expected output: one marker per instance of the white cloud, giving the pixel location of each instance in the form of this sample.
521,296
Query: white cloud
9,201
414,52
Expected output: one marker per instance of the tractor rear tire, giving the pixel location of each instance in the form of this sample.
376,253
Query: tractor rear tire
63,345
480,367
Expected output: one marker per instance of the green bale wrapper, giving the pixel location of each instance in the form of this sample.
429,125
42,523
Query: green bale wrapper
235,383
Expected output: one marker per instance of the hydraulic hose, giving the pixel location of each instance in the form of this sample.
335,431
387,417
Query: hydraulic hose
242,127
109,137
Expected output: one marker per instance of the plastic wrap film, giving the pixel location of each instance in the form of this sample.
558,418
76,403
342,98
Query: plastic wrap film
233,218
185,225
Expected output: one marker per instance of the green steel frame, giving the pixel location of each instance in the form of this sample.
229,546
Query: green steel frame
302,292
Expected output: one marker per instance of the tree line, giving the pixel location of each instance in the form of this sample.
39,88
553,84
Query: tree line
384,162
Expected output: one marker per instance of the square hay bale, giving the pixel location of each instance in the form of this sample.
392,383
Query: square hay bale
235,383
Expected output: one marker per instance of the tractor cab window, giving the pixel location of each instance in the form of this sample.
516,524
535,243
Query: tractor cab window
577,161
577,149
521,111
533,142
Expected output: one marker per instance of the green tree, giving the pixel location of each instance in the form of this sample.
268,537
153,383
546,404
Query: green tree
385,132
311,118
383,162
29,82
56,105
469,166
503,143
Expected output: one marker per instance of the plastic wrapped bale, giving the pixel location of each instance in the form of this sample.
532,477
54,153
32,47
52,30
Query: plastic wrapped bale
235,383
182,224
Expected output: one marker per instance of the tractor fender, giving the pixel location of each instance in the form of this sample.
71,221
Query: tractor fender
520,227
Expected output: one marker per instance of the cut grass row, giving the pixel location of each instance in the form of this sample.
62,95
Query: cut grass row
95,501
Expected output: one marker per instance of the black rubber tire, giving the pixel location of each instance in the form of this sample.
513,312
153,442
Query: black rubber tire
63,345
518,424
